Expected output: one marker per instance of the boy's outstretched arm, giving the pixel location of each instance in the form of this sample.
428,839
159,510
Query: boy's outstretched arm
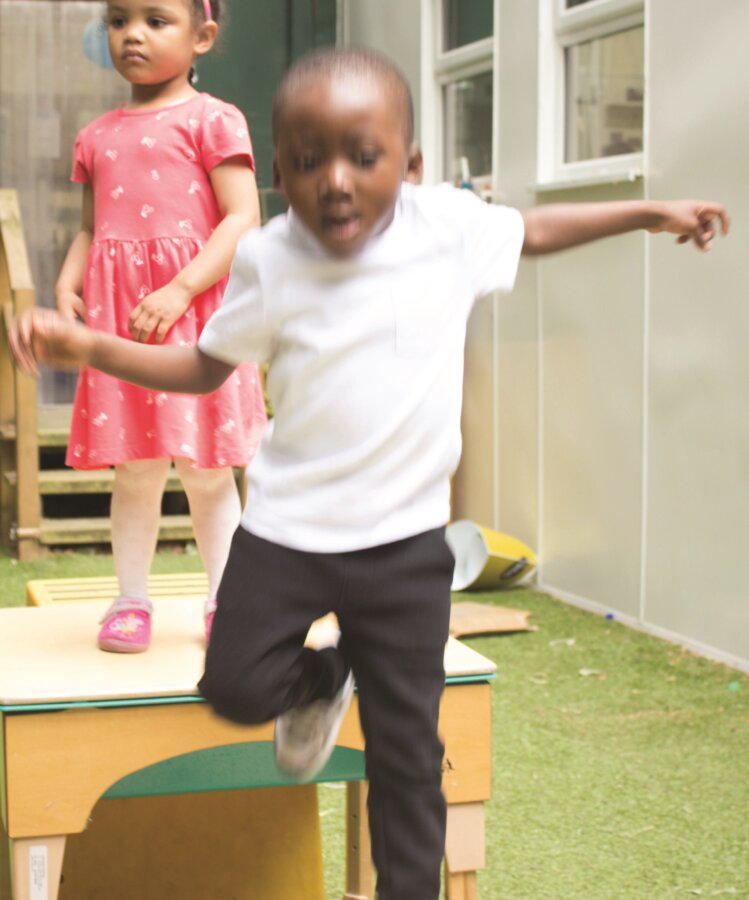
559,226
44,336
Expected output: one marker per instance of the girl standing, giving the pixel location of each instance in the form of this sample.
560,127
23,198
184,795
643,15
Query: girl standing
168,188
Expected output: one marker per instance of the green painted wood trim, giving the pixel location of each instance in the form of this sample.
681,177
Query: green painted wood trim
98,704
166,701
228,768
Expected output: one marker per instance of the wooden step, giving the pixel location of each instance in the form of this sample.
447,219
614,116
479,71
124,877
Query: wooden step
52,426
74,481
97,530
95,481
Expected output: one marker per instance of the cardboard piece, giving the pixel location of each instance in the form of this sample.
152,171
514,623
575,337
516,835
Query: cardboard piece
467,618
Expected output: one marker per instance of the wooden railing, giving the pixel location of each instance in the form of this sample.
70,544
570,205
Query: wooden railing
20,508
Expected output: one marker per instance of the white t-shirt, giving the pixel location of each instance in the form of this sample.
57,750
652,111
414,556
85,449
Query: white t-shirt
366,366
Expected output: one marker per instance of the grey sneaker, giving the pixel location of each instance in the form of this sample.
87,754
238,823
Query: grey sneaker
305,736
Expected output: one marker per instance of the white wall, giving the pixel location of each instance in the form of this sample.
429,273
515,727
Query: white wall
604,418
697,523
391,26
643,479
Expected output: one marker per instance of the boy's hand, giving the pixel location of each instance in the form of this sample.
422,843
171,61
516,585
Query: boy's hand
156,313
70,306
46,336
693,220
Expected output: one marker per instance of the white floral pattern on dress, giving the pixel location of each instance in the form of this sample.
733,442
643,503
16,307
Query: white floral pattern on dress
143,167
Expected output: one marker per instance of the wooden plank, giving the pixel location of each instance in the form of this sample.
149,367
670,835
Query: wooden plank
242,844
359,874
19,395
53,425
28,503
97,530
82,752
92,481
46,591
14,246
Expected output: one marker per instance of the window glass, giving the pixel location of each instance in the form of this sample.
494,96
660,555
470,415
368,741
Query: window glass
571,3
604,96
468,128
467,21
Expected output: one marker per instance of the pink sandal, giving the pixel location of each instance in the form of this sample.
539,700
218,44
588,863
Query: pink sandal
126,626
209,611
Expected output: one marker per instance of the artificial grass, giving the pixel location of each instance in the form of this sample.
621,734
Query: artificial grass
620,772
620,764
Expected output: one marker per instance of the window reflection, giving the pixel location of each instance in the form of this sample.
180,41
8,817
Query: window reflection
468,128
604,96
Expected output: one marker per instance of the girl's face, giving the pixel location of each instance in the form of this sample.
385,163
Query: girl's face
155,42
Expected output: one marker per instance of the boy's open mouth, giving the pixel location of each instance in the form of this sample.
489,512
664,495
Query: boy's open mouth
342,228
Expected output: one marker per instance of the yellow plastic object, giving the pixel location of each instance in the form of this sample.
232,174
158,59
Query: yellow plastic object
487,559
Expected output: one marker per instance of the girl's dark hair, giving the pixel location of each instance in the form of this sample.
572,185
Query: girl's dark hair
198,19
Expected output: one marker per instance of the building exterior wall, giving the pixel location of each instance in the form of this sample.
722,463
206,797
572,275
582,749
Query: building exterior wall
697,520
603,399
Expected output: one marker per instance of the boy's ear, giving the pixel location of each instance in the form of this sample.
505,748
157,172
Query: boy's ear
205,37
414,165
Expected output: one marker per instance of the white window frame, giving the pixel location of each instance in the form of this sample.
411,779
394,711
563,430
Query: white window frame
560,28
440,68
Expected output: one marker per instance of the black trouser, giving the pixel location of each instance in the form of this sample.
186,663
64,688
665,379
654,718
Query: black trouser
393,608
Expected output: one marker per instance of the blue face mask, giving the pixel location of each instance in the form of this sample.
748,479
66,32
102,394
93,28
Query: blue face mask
96,45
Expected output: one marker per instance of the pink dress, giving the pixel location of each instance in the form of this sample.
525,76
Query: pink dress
153,211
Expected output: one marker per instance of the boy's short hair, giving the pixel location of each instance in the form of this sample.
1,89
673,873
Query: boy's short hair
331,62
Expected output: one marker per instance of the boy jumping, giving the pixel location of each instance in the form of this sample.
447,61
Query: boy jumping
358,299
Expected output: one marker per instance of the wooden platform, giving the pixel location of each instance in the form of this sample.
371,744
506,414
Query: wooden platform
79,725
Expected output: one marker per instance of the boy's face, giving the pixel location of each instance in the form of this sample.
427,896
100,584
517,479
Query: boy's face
340,158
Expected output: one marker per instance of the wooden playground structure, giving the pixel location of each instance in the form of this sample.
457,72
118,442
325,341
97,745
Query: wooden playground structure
20,509
33,436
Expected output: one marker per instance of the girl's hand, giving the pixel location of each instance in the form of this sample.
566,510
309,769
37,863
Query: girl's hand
693,220
46,336
156,313
70,306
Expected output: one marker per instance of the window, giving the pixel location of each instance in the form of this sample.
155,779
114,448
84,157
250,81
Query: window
468,128
462,100
592,86
466,21
603,96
